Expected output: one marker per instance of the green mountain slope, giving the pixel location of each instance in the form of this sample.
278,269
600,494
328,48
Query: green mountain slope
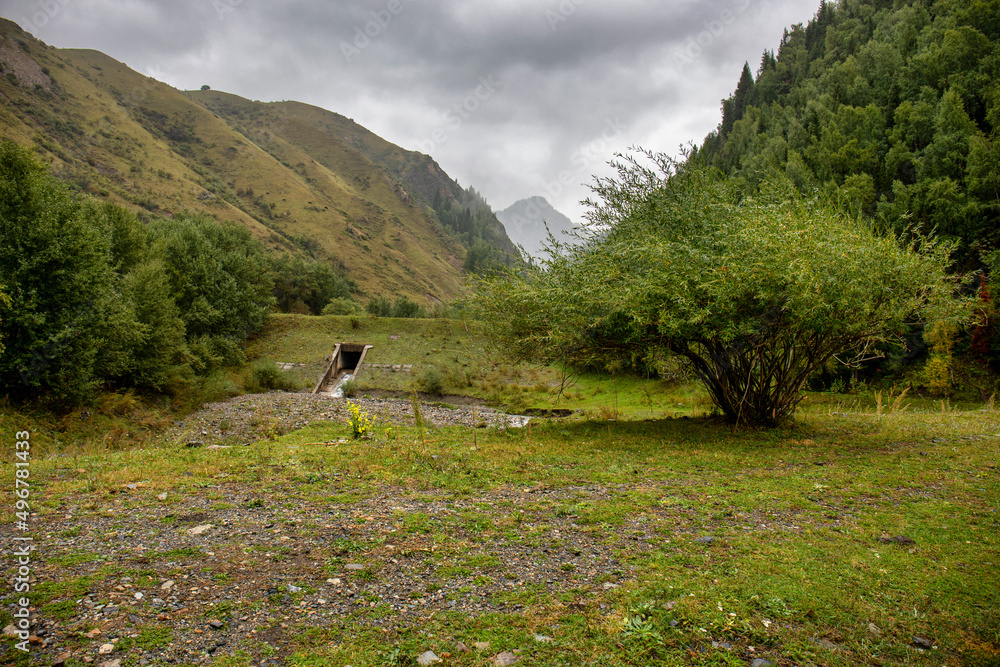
892,107
301,178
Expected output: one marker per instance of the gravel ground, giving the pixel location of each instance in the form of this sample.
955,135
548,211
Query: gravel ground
250,576
141,576
246,419
138,576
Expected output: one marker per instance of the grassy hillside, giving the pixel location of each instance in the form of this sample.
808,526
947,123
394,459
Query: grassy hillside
301,178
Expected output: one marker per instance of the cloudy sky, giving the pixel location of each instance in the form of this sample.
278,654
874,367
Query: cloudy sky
514,97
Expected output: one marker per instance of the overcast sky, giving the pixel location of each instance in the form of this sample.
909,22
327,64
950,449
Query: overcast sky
514,97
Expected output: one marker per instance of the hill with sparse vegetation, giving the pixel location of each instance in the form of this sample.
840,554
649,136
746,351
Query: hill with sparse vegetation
303,180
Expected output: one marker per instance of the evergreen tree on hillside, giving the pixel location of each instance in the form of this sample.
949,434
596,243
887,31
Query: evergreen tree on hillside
892,108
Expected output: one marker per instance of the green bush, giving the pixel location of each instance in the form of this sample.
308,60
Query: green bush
266,376
381,306
307,285
349,388
342,306
431,381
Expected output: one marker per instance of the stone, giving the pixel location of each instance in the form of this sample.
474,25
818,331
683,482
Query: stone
725,645
61,659
132,487
543,639
215,624
10,631
34,640
167,585
504,659
461,647
708,539
825,643
161,496
355,567
481,646
427,658
761,662
872,628
137,596
93,633
112,663
106,648
293,588
200,530
922,642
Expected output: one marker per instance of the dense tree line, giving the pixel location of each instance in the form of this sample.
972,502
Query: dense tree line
92,297
891,107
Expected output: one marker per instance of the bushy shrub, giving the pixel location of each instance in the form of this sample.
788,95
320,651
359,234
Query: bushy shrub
342,306
266,376
382,306
431,381
349,388
308,286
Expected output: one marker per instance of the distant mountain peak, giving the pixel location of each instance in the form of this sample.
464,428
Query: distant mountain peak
526,221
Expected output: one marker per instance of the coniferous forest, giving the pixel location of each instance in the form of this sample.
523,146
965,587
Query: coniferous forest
890,107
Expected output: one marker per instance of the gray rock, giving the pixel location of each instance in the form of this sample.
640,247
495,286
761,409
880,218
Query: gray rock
293,589
543,639
161,496
216,624
481,646
504,659
199,530
427,658
708,539
761,662
354,567
922,642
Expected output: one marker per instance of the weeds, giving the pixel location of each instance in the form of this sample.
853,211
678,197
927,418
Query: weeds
362,424
894,403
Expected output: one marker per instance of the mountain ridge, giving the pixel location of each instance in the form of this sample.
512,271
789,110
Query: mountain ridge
303,179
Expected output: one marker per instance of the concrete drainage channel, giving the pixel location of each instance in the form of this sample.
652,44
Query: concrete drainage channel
345,363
